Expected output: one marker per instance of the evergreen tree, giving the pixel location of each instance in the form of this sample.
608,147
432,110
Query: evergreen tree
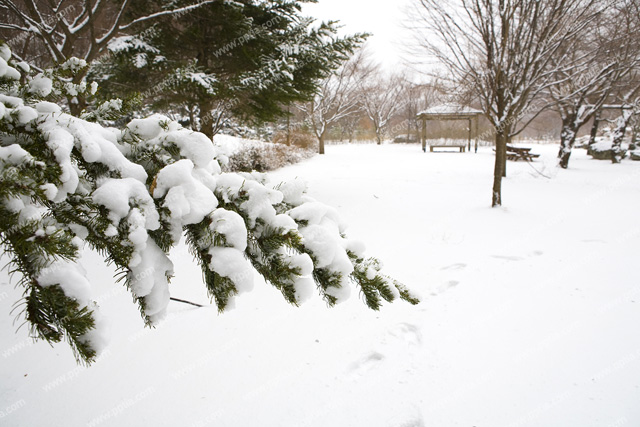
248,58
130,194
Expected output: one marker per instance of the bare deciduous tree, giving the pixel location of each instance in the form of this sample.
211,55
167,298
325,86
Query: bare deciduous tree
61,29
629,101
382,98
337,97
601,60
80,28
503,48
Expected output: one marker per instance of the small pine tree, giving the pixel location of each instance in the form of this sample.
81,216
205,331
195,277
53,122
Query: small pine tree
131,194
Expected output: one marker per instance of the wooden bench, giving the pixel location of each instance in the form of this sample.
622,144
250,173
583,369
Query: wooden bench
462,147
520,153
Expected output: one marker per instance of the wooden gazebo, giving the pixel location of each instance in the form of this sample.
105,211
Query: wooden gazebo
450,112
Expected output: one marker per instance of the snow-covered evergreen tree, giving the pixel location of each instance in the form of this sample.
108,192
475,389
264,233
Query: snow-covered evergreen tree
246,60
68,182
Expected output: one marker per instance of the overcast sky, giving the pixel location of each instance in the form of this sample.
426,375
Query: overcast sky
382,18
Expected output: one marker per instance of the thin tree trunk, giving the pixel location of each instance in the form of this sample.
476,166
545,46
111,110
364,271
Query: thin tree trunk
567,139
504,165
594,128
321,144
501,156
289,125
192,118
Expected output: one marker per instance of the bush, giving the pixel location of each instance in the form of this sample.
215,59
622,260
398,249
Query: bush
297,137
264,156
406,138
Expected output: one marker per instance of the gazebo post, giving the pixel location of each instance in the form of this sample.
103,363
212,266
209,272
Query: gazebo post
469,141
476,133
423,135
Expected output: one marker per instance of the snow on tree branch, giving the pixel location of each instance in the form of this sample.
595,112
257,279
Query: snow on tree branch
131,194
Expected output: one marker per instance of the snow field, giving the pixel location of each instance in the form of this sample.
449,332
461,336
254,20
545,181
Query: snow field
528,313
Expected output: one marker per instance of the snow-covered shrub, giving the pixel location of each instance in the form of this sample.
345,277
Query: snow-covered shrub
264,156
131,194
297,137
602,149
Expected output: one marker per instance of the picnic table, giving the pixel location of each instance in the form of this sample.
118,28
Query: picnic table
520,153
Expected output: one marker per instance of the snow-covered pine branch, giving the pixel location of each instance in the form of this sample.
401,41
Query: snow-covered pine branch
130,194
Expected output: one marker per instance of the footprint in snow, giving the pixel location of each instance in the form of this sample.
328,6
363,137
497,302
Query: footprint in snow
445,287
366,363
413,419
418,422
407,332
457,266
508,258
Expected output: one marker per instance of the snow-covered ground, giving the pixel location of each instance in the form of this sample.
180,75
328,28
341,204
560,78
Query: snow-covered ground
529,316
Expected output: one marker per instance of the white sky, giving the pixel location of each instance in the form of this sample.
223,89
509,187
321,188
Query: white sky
382,18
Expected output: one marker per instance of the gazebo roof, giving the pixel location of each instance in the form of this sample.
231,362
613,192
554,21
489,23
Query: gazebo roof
449,111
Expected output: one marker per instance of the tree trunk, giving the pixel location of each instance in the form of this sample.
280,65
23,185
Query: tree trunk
321,144
192,118
76,108
504,162
206,121
618,135
77,104
501,156
567,139
289,125
379,136
594,128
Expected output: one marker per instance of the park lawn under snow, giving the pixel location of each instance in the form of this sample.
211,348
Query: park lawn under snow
529,313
